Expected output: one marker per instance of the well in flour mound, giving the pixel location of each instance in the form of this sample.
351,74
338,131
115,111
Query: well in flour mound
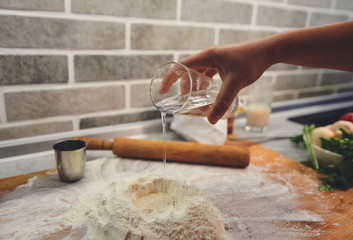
150,206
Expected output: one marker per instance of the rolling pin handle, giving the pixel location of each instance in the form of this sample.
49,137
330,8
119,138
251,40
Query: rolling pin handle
96,144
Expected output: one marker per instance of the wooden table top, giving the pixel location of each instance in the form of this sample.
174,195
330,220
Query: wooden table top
335,209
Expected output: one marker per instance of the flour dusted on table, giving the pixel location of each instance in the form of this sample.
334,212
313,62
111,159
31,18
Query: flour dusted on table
255,204
150,206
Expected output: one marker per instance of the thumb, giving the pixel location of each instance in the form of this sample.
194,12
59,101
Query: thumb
224,99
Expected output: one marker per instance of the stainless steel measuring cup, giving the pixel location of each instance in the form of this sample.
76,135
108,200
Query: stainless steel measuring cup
70,158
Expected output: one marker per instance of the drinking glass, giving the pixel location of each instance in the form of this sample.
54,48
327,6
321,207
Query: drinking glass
258,106
177,89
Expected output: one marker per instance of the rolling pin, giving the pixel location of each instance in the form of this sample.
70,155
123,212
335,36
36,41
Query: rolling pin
186,152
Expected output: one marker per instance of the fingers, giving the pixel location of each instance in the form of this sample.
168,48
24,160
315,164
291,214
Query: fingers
201,60
202,63
168,80
185,84
178,72
224,99
210,72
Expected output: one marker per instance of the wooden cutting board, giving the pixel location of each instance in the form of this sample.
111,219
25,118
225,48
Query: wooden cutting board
335,209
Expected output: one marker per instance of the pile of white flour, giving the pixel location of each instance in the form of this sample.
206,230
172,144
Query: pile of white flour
151,207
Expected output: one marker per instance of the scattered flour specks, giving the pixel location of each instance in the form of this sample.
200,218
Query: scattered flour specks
121,198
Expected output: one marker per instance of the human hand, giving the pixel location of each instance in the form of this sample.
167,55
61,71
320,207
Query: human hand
185,77
177,72
238,65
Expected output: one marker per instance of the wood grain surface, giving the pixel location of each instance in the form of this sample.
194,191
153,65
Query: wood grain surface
335,209
9,184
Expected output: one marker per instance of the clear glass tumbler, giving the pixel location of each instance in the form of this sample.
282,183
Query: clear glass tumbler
258,106
177,89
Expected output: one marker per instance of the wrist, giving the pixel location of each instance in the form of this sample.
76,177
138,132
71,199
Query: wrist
275,50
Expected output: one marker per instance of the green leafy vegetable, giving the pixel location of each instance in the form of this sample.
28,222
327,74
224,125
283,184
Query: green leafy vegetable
308,163
298,139
339,176
342,145
326,187
305,139
309,143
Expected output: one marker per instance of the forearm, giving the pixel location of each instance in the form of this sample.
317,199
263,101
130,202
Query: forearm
329,46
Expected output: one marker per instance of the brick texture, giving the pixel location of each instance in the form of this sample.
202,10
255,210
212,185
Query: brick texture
97,68
91,60
50,103
312,3
34,32
33,69
38,5
345,89
159,9
282,67
283,97
273,16
344,4
285,82
315,93
337,78
140,96
233,36
322,19
161,37
216,11
35,129
278,1
118,119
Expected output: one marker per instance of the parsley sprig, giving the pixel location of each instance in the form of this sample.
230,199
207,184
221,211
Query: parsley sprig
338,176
